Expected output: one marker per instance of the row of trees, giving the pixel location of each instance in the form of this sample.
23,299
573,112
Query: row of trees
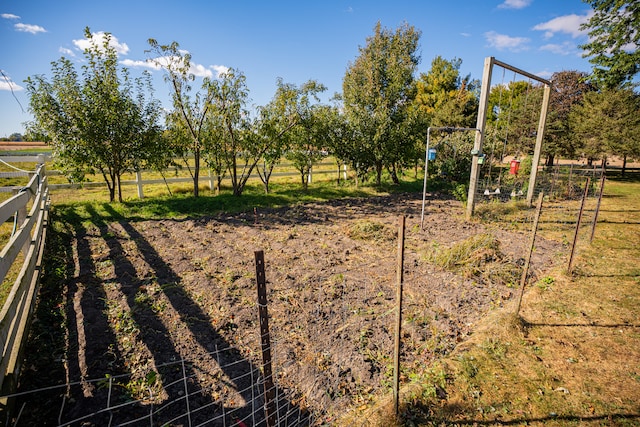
105,121
583,121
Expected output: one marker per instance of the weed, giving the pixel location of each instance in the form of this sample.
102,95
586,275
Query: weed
370,230
479,257
545,283
469,366
495,348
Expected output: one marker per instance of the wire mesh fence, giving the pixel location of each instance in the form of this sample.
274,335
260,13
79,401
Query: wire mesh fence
169,394
351,303
560,182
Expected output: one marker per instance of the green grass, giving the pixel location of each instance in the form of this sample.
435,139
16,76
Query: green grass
184,205
571,357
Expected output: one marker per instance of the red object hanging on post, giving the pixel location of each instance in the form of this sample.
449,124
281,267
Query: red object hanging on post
514,166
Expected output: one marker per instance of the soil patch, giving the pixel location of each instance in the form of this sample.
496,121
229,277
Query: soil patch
148,293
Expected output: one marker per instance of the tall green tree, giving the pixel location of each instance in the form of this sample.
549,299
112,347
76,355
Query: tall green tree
276,120
508,117
607,124
343,140
240,145
100,121
567,90
378,88
614,39
308,137
188,118
242,141
447,98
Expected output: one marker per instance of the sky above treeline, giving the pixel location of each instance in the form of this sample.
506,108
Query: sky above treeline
293,40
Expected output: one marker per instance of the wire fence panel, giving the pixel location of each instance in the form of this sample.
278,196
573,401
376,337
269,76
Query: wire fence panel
168,395
564,182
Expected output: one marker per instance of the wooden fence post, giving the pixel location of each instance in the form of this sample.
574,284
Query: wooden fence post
139,184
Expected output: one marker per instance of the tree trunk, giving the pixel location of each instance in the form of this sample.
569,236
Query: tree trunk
119,188
550,160
624,165
378,173
196,173
394,174
304,177
218,183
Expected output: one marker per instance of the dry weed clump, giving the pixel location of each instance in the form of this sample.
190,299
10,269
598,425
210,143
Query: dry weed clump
478,257
370,231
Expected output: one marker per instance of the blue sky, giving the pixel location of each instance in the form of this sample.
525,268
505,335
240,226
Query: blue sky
296,40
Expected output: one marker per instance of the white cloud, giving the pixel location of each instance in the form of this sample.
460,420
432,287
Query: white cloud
219,69
65,51
544,74
465,34
98,39
514,4
568,24
566,48
197,70
10,16
7,84
505,42
140,64
28,28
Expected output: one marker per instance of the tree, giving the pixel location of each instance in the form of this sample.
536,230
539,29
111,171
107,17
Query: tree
15,137
567,90
104,122
343,141
378,88
607,123
277,118
308,137
445,97
240,144
509,118
187,120
614,38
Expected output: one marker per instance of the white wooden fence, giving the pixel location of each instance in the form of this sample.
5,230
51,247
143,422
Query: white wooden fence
322,168
29,208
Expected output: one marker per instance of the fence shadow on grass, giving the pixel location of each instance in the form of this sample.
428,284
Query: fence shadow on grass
583,420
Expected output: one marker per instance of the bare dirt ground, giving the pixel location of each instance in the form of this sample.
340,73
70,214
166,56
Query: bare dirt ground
146,293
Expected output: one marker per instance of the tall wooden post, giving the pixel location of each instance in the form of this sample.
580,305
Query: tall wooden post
480,124
539,137
139,184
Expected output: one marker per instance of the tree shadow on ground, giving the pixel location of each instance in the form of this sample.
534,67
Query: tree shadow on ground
89,348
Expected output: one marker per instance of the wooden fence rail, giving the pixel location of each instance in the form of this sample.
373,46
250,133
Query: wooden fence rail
321,168
28,238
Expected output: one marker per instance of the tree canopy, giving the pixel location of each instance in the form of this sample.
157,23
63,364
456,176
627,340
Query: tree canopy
447,98
614,38
102,120
607,123
378,88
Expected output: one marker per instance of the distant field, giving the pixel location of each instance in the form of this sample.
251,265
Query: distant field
21,145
